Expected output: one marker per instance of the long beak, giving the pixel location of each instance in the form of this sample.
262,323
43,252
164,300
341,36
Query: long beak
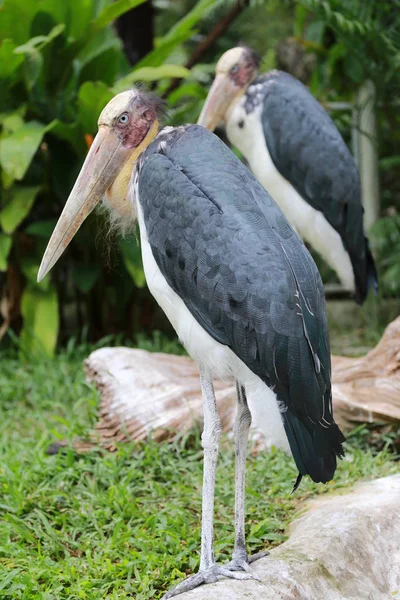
220,96
105,159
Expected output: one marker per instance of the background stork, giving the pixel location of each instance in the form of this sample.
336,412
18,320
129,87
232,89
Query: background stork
234,279
296,152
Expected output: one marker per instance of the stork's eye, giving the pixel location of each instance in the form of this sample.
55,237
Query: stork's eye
124,118
234,69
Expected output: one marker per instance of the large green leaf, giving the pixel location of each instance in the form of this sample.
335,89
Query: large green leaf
80,15
162,51
132,258
99,44
189,90
92,98
33,58
9,61
11,121
18,149
5,247
42,229
20,19
16,19
39,310
18,208
33,66
71,133
115,10
39,41
150,74
104,67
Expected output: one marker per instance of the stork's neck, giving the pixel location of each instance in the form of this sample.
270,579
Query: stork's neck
118,194
243,96
257,91
235,102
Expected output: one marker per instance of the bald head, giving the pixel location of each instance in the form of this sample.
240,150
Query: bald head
240,64
130,115
234,72
127,125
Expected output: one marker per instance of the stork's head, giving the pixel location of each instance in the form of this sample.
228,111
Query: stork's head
235,70
127,125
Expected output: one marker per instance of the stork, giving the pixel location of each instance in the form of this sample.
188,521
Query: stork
296,152
235,281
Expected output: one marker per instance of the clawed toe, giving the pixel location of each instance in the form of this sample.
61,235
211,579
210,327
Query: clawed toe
258,555
210,575
238,566
188,584
242,563
233,573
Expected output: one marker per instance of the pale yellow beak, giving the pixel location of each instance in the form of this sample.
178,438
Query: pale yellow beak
222,93
104,161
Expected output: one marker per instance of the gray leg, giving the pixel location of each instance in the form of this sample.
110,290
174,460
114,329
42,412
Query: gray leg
210,442
209,571
240,558
241,432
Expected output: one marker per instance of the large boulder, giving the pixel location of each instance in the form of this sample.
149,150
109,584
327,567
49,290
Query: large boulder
343,547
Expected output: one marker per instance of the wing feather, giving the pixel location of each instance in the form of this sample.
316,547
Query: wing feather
308,150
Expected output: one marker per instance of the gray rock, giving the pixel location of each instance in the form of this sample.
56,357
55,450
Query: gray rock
345,547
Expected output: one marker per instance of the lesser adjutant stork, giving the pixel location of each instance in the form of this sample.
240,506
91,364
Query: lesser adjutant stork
234,279
297,153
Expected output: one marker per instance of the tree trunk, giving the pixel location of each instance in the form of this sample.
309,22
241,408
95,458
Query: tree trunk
136,30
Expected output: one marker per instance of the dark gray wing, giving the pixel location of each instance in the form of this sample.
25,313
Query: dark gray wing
226,249
308,150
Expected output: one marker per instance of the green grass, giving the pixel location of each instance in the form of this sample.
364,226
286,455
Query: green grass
127,524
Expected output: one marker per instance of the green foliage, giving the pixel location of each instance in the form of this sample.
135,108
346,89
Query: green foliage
125,524
386,237
39,309
352,41
5,246
151,74
60,63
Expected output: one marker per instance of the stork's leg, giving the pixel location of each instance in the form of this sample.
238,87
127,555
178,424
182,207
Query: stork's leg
210,442
241,433
240,558
209,571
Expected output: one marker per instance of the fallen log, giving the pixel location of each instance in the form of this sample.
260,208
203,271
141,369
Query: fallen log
146,393
367,389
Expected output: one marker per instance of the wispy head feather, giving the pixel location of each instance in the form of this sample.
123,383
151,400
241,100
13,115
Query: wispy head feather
251,55
153,102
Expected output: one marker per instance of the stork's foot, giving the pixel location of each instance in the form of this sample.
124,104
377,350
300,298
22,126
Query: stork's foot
241,562
210,575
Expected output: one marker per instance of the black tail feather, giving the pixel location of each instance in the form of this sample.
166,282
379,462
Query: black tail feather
367,277
297,483
372,275
314,449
